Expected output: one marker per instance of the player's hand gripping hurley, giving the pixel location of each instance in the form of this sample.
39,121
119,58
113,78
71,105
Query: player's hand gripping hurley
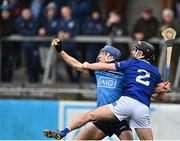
169,35
57,44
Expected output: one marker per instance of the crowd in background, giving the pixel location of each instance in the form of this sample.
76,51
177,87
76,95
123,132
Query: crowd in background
66,19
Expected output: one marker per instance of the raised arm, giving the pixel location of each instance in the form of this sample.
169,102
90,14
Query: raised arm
72,62
67,58
100,66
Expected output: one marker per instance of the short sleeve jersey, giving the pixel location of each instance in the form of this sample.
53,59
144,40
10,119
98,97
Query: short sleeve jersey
109,86
141,78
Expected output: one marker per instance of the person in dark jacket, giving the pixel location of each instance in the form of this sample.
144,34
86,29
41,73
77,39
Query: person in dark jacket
50,22
48,27
69,27
26,25
8,50
94,25
116,27
36,7
146,26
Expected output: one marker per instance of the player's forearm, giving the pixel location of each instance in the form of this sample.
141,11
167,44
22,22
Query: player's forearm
100,66
160,97
72,62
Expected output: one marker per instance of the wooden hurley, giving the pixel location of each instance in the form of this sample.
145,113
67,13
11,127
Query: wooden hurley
169,35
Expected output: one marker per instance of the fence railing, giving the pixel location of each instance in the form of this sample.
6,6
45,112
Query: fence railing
93,39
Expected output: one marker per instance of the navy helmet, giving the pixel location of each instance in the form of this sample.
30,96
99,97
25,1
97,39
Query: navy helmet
113,51
147,49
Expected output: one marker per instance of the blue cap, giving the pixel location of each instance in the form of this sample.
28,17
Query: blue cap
113,51
5,5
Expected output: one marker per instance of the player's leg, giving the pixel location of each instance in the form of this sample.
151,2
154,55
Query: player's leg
144,133
91,132
101,113
123,130
119,109
126,135
141,121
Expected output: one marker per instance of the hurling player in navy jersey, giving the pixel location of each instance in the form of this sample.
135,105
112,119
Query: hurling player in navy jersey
109,85
141,78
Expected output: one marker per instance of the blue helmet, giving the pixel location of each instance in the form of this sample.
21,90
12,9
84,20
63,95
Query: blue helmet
113,51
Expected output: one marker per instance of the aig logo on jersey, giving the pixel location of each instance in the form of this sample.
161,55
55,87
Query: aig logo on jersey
106,82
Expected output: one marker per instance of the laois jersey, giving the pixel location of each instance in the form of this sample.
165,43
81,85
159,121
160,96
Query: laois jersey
140,80
109,86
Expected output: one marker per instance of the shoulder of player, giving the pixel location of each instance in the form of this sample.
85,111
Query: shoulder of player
127,61
154,69
150,64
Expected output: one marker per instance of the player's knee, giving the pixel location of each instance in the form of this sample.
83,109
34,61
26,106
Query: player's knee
126,135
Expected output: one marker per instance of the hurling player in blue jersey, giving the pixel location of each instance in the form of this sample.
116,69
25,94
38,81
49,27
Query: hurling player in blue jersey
141,78
109,85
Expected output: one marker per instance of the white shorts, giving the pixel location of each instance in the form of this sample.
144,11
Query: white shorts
128,108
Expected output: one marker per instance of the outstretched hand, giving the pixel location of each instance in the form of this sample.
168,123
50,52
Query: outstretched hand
57,44
85,65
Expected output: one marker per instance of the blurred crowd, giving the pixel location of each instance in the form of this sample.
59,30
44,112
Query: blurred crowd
66,19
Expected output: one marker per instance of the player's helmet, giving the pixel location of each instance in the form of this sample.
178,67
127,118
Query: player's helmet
147,49
113,51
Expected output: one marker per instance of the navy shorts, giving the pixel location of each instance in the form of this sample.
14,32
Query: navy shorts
110,128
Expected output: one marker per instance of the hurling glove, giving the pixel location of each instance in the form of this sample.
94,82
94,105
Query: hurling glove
57,44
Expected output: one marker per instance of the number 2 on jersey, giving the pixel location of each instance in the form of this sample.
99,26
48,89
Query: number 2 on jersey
141,78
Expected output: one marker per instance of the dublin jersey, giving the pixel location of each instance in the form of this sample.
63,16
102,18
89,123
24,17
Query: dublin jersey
140,79
109,86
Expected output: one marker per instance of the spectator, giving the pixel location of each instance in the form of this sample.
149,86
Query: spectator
69,27
146,26
50,22
60,3
36,8
26,25
49,27
18,5
168,20
93,25
8,50
115,25
109,5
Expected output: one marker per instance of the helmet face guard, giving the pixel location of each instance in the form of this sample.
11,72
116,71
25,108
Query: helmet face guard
146,48
107,56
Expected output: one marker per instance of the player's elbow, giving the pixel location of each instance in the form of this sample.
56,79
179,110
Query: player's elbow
80,68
